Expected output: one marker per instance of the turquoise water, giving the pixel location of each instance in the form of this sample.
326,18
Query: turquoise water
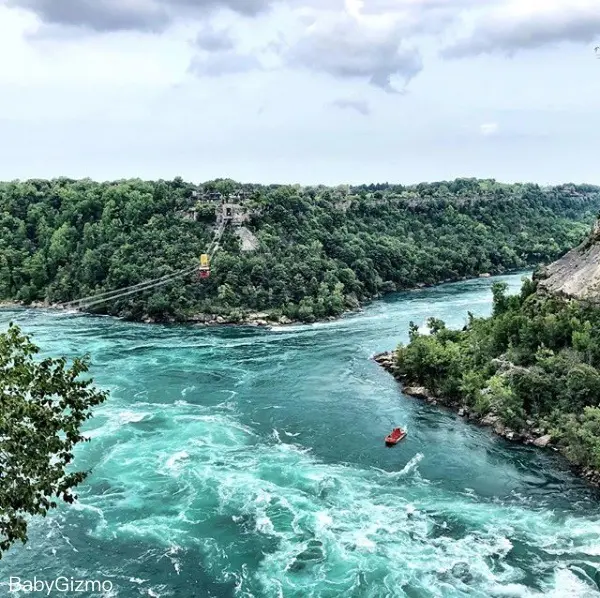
242,462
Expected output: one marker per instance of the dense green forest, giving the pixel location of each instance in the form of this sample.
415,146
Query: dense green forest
534,362
321,250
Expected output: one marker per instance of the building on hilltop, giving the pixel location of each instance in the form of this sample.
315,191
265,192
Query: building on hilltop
228,208
231,213
239,196
207,196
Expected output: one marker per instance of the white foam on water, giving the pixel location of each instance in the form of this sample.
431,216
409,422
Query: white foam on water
174,460
564,584
263,498
365,543
127,417
203,463
361,520
227,405
171,554
410,467
115,420
265,526
424,329
291,328
323,520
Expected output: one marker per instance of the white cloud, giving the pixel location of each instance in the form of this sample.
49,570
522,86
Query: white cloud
224,63
354,8
519,25
489,129
349,45
360,106
131,15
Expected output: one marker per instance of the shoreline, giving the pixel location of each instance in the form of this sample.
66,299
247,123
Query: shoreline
259,319
532,436
250,320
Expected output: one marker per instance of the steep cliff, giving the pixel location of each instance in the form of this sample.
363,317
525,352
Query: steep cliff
577,273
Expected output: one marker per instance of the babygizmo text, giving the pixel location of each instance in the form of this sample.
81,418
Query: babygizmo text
60,584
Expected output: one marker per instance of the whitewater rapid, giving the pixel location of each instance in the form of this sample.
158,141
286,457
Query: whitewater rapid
250,463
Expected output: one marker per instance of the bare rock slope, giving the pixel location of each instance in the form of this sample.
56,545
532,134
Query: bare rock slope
577,273
249,241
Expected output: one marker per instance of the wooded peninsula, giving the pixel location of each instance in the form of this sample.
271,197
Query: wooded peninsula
532,369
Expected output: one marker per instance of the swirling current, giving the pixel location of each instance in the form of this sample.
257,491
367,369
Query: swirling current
239,462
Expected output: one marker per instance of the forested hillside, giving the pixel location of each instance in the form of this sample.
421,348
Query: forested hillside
321,250
533,366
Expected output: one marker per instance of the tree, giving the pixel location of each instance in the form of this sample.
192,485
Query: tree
43,405
499,294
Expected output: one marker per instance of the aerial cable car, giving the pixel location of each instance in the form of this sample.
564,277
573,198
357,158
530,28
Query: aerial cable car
204,269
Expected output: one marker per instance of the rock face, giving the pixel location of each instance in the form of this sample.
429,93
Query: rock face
249,241
591,475
543,441
577,273
385,360
419,392
490,420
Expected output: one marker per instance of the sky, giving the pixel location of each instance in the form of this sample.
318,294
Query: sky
301,91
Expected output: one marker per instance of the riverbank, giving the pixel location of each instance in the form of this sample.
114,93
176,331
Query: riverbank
534,434
267,320
253,319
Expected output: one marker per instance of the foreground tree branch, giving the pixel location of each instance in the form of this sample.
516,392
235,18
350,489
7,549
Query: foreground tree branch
43,405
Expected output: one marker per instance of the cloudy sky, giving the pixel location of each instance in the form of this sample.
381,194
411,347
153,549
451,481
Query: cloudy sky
308,91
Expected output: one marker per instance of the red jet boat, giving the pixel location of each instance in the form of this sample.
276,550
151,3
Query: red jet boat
395,437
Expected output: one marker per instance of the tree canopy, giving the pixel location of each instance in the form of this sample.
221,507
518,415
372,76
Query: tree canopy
321,249
536,360
43,405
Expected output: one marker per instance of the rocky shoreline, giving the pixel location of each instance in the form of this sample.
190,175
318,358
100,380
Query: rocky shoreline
257,320
534,435
9,304
254,319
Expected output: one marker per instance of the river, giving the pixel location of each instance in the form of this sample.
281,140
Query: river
237,462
